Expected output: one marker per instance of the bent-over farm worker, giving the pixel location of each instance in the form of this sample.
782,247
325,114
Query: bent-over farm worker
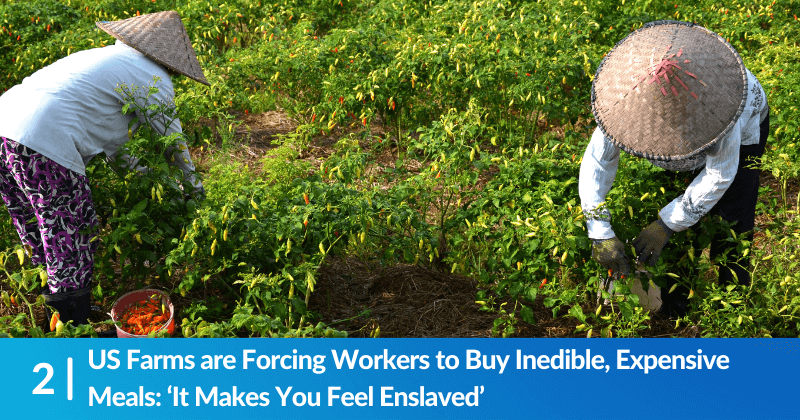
57,120
680,96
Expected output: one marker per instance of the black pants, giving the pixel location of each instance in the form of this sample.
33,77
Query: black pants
738,205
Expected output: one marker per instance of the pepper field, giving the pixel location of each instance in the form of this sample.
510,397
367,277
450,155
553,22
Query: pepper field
354,144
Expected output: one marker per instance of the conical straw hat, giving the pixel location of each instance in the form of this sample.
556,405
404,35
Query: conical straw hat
669,91
161,37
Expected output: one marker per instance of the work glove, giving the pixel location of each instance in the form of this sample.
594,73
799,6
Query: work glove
198,193
651,241
610,253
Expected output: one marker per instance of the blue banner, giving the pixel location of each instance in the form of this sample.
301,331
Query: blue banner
400,378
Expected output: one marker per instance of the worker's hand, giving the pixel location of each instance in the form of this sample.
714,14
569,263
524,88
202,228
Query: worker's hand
610,253
651,241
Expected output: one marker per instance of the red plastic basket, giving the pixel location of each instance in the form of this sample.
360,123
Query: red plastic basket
133,297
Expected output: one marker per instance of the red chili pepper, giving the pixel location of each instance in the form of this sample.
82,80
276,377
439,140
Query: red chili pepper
144,317
543,283
305,198
54,320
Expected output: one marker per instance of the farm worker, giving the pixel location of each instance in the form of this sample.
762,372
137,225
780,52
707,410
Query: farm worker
60,117
680,96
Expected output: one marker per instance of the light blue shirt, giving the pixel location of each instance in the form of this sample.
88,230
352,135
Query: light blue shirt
70,112
601,160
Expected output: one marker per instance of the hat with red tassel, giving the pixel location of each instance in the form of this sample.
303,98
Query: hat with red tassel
669,91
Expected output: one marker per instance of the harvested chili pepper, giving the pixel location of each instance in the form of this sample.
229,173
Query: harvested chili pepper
144,317
54,320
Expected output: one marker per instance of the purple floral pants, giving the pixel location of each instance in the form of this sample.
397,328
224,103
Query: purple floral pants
51,207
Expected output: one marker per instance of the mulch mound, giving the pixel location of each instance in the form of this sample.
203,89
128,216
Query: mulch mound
413,301
401,300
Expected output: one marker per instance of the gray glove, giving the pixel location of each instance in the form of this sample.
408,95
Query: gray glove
199,193
651,241
610,253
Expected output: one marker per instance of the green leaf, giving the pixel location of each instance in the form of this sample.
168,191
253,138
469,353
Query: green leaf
626,310
550,301
530,293
527,315
576,312
139,207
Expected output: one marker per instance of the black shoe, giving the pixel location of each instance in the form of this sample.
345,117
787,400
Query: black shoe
72,305
97,315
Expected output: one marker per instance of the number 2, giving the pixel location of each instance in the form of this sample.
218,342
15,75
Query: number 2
39,389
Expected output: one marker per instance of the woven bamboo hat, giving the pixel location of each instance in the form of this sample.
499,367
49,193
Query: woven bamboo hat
669,91
161,37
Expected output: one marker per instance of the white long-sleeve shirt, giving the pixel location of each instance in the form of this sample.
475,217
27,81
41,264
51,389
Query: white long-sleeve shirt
601,160
69,111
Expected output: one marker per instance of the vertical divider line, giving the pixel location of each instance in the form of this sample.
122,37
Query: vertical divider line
69,378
